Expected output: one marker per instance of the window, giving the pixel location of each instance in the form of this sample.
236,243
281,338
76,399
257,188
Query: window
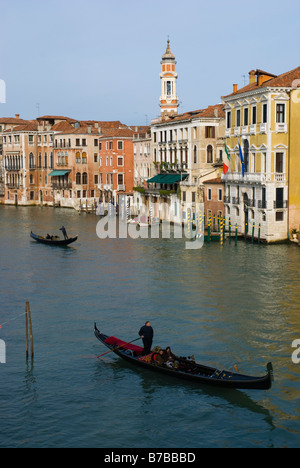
120,179
31,161
84,178
169,88
279,216
279,162
280,113
209,194
246,116
238,118
100,146
77,141
77,158
254,115
265,113
78,179
193,197
195,154
120,145
111,145
95,142
96,179
95,157
84,158
210,132
228,120
220,195
210,153
120,161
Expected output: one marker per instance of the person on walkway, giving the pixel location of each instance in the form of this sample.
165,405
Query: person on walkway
63,230
146,333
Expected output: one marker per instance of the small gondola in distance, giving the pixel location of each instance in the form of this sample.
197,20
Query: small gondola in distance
187,369
55,241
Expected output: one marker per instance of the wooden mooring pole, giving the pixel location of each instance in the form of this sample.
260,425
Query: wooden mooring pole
28,324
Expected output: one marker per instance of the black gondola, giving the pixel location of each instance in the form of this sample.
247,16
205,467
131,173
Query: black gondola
186,368
54,240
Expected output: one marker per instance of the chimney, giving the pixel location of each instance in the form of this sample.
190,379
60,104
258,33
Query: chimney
252,77
17,116
260,80
235,88
216,112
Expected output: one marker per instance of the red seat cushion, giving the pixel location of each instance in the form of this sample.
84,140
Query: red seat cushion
116,342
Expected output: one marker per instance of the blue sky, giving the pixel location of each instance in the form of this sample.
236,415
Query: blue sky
100,60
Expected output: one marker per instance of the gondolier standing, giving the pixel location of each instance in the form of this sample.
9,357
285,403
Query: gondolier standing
146,333
63,230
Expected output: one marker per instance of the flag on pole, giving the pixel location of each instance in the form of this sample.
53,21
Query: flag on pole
226,162
242,159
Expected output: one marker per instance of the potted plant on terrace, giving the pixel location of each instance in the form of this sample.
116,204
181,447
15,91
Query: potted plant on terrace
295,234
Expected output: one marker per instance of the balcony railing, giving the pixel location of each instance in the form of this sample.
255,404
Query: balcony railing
280,204
61,185
236,200
262,204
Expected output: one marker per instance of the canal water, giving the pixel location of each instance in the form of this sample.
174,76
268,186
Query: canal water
230,305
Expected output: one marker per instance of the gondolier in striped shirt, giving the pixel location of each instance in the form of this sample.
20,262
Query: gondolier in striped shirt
146,333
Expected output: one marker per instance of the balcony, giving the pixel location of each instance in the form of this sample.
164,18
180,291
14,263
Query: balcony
245,130
280,204
262,204
263,128
121,188
236,200
61,185
281,128
252,129
279,177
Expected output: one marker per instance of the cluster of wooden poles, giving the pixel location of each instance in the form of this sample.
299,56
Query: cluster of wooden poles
219,228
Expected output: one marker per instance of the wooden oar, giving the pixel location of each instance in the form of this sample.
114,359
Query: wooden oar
118,347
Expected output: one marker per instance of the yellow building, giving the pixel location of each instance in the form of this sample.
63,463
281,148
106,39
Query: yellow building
262,185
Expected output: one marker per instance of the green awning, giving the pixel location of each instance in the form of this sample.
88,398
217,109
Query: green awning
168,179
58,173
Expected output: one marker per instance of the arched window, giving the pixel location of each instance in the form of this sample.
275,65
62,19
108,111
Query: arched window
31,161
45,161
210,154
40,160
195,154
78,178
84,178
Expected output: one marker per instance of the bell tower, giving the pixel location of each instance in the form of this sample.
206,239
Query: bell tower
169,101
